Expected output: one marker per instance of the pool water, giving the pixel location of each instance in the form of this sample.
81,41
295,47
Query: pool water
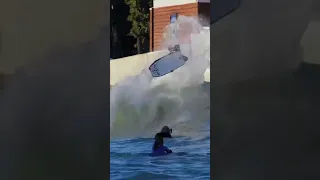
129,159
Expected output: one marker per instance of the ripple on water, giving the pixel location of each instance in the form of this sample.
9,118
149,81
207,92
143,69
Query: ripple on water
130,159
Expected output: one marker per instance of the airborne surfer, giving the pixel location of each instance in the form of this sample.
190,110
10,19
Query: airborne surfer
179,51
173,49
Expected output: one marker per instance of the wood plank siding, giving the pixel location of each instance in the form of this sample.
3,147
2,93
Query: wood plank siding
160,18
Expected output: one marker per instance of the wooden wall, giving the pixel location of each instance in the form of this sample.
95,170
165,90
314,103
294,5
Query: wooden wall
161,18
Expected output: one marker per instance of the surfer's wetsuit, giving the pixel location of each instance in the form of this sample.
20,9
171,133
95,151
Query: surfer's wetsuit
161,150
164,135
165,132
158,148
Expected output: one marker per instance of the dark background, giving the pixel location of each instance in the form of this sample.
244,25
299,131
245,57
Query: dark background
265,127
122,45
54,115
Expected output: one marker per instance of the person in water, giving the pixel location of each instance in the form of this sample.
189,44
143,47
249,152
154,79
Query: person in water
165,132
158,147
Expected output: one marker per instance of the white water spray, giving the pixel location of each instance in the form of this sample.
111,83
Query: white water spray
140,105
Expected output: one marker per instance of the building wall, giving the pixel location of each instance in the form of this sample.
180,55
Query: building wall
130,66
162,9
166,3
161,18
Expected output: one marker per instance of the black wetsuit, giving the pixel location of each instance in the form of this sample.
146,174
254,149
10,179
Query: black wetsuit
164,135
158,147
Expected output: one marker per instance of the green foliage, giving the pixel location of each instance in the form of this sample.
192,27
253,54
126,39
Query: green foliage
139,17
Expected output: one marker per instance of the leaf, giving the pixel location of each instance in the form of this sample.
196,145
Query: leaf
139,18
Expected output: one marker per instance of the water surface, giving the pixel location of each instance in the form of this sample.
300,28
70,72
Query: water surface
129,159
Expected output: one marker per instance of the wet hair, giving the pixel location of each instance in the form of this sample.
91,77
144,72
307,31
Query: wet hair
166,129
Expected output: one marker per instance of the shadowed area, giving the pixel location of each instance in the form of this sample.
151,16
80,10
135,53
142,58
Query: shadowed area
254,41
265,106
55,121
54,104
266,128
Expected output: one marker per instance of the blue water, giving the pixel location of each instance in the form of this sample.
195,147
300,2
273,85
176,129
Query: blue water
129,159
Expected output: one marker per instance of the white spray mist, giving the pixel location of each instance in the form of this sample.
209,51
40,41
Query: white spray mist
140,105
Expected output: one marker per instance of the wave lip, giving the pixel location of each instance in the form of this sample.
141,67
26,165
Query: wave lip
140,105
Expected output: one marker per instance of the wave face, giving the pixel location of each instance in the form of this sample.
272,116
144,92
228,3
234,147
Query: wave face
141,105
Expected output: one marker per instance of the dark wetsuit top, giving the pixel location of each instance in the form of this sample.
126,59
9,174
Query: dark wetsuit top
164,135
161,150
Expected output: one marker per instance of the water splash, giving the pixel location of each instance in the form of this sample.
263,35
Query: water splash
140,105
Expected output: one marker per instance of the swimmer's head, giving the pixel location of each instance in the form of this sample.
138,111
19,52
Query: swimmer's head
166,129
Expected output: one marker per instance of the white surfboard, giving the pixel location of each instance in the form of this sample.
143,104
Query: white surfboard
167,64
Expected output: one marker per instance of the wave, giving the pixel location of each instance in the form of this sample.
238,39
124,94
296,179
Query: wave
141,105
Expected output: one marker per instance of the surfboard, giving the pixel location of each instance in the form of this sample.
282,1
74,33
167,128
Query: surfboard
167,64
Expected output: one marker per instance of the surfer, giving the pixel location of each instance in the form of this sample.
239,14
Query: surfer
165,132
173,49
158,148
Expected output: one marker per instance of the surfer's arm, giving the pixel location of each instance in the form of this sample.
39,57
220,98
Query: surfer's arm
167,135
167,150
164,135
